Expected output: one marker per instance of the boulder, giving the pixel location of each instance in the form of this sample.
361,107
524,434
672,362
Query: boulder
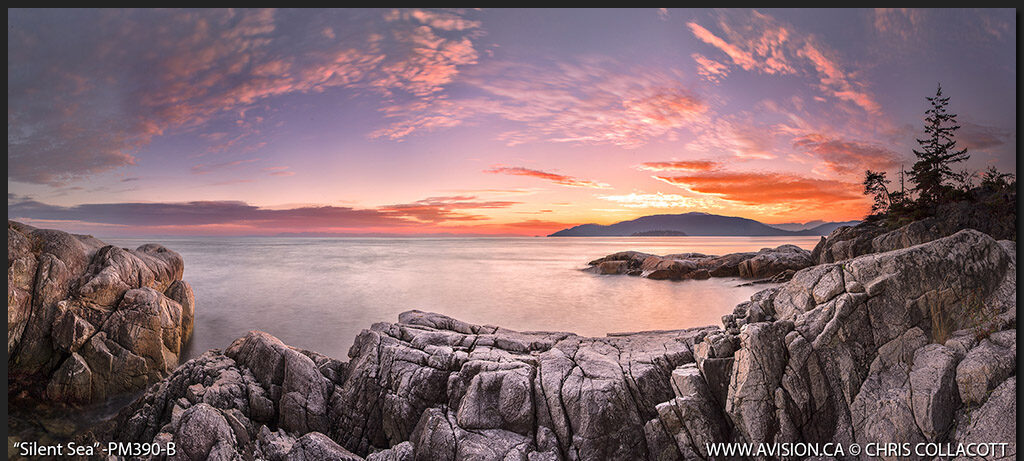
995,421
982,369
771,261
87,320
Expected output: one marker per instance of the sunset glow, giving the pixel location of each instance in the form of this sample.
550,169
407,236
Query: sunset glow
493,122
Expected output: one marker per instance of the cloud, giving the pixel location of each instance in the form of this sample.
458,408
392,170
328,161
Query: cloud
792,192
240,215
739,57
757,42
680,165
660,200
739,136
553,177
279,171
204,168
844,156
85,100
835,81
981,137
709,69
444,209
900,23
199,213
586,101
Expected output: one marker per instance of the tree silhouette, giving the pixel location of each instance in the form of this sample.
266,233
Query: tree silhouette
875,186
938,152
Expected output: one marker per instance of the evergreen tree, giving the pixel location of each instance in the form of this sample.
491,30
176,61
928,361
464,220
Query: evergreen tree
938,152
875,186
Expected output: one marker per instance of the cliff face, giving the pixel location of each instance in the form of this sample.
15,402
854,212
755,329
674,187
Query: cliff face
86,320
917,344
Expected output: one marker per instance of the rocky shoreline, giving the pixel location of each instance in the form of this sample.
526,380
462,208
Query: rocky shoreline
915,344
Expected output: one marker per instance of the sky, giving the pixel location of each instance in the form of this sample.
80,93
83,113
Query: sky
491,122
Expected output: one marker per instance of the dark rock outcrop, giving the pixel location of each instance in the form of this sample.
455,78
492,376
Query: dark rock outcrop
764,264
869,350
87,320
987,212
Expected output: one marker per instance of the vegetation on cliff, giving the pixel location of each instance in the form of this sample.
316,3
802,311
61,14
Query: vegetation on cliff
939,191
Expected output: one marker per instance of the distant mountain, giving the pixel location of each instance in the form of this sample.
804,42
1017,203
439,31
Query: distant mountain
828,227
660,233
694,224
810,225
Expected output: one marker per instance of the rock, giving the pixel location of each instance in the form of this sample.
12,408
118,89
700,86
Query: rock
843,353
772,261
778,262
933,390
756,372
994,422
202,433
443,385
88,320
400,452
613,267
315,446
982,369
846,242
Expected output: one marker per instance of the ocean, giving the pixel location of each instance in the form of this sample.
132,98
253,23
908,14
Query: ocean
319,293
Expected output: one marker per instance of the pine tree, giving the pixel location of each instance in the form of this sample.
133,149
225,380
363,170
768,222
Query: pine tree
875,186
938,152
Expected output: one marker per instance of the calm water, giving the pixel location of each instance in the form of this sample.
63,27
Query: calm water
318,293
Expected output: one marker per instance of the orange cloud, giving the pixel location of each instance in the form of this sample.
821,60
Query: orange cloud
553,177
680,165
797,194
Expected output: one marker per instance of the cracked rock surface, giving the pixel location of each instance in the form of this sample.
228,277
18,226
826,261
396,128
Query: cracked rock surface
916,344
87,320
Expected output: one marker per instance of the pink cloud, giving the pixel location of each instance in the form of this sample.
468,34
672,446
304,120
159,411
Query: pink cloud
179,70
585,102
553,177
739,57
444,209
203,168
835,81
680,165
844,156
709,69
757,42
